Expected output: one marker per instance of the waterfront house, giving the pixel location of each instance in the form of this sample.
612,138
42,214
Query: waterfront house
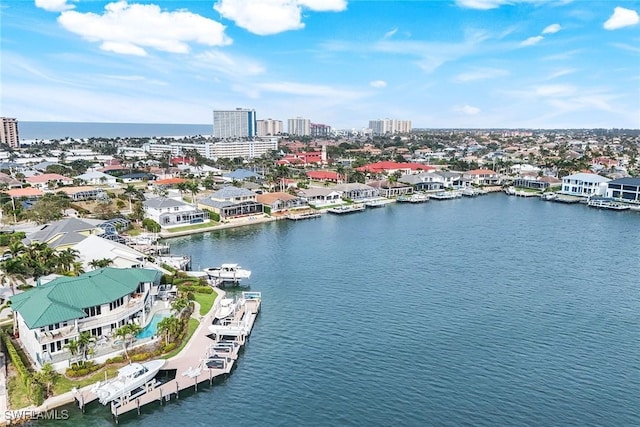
171,213
584,185
231,202
390,189
320,196
280,201
625,188
122,256
481,177
536,183
48,316
356,191
430,181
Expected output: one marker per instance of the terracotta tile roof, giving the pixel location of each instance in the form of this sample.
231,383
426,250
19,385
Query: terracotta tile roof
322,175
46,177
269,198
169,181
25,192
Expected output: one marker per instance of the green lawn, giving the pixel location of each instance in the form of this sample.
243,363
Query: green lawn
192,227
206,301
17,392
65,384
193,324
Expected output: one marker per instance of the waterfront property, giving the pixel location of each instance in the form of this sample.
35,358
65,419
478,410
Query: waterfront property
47,317
318,197
624,188
584,185
281,201
231,202
356,191
65,233
170,213
481,177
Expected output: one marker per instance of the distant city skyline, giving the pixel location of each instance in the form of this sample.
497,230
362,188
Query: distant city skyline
439,64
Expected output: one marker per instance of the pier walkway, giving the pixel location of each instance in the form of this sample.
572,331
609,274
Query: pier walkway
190,364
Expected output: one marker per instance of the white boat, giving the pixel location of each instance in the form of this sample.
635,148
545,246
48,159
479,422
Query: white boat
228,272
413,198
129,378
446,195
227,307
343,209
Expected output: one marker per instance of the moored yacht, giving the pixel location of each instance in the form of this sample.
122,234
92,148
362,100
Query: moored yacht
129,378
228,272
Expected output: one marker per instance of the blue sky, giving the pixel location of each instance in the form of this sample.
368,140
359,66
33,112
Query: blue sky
440,64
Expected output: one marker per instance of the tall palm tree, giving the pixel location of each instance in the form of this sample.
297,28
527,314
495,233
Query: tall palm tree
73,348
100,263
179,304
85,341
169,327
194,189
66,258
127,332
130,191
14,271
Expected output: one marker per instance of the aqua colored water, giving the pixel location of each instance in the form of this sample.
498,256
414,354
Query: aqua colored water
150,330
496,311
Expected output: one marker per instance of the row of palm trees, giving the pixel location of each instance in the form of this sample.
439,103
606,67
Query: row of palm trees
39,259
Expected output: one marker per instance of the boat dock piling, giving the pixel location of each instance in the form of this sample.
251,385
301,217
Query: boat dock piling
189,365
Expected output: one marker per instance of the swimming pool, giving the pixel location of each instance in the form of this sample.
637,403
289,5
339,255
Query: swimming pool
152,327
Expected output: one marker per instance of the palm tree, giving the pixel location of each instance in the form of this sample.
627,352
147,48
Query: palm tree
85,340
194,189
14,271
47,377
66,258
169,326
73,348
100,263
130,191
179,304
125,332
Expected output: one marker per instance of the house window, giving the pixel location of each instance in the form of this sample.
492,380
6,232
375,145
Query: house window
93,311
115,304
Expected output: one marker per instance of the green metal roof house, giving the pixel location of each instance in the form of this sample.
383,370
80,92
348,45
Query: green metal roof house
47,317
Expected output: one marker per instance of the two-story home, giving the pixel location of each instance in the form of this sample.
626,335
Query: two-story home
280,201
65,233
98,178
47,317
170,212
584,184
231,202
429,181
624,188
481,177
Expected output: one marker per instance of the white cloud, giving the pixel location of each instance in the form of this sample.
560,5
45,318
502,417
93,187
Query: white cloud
553,90
532,40
621,18
129,29
235,66
551,29
480,74
266,17
378,84
390,33
54,5
302,89
481,4
467,109
561,73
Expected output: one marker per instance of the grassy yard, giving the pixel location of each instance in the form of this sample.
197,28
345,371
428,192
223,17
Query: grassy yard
193,227
17,392
206,301
65,384
193,324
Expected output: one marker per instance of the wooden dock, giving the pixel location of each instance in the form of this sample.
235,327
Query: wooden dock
189,365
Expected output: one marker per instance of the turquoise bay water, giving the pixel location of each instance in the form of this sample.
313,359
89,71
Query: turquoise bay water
150,330
492,311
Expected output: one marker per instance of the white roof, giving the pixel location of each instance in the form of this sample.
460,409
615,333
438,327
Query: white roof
589,177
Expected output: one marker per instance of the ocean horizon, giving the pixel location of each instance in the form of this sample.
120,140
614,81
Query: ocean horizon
32,130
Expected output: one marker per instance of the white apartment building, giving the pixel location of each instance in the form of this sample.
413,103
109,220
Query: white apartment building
299,126
389,126
9,132
244,149
269,127
238,123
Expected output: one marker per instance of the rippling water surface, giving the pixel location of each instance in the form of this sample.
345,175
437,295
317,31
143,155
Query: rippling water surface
486,311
